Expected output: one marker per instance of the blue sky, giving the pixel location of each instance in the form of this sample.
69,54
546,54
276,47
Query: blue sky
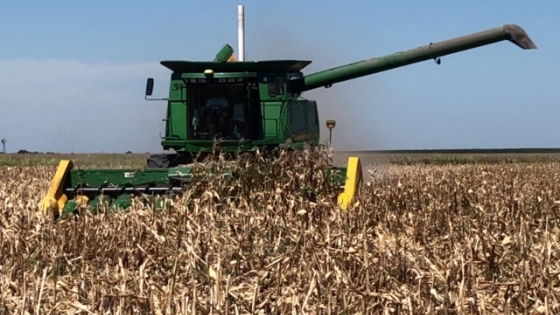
72,73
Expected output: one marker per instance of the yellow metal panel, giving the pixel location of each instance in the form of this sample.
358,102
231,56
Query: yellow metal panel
55,199
353,180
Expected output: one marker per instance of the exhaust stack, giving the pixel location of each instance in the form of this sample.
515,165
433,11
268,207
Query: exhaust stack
241,32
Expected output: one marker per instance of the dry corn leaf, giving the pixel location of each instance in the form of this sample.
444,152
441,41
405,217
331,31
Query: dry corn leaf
420,239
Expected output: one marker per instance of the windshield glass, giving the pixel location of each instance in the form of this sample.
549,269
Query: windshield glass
218,109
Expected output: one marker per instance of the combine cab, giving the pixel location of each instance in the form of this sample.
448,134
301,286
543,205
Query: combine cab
228,107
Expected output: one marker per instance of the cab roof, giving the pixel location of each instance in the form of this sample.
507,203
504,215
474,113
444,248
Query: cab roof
182,66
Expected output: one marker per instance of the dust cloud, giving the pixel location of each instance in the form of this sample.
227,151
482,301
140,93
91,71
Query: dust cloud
348,103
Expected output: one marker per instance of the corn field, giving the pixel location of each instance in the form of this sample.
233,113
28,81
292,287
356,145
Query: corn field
476,239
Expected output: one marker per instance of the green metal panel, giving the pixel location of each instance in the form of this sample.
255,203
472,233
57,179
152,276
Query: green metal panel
177,110
509,32
176,120
226,145
273,86
224,54
220,75
116,177
272,122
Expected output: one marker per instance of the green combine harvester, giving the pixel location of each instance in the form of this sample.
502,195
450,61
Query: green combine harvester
247,106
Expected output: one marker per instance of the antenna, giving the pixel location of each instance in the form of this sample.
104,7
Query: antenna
4,145
241,32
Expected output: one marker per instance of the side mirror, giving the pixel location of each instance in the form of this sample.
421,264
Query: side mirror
149,86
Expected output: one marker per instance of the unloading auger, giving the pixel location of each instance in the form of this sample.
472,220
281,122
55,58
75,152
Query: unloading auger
248,106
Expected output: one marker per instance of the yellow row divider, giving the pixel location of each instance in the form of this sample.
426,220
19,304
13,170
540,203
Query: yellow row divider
55,199
354,177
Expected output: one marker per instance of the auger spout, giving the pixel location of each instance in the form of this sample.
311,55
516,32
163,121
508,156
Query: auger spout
511,32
